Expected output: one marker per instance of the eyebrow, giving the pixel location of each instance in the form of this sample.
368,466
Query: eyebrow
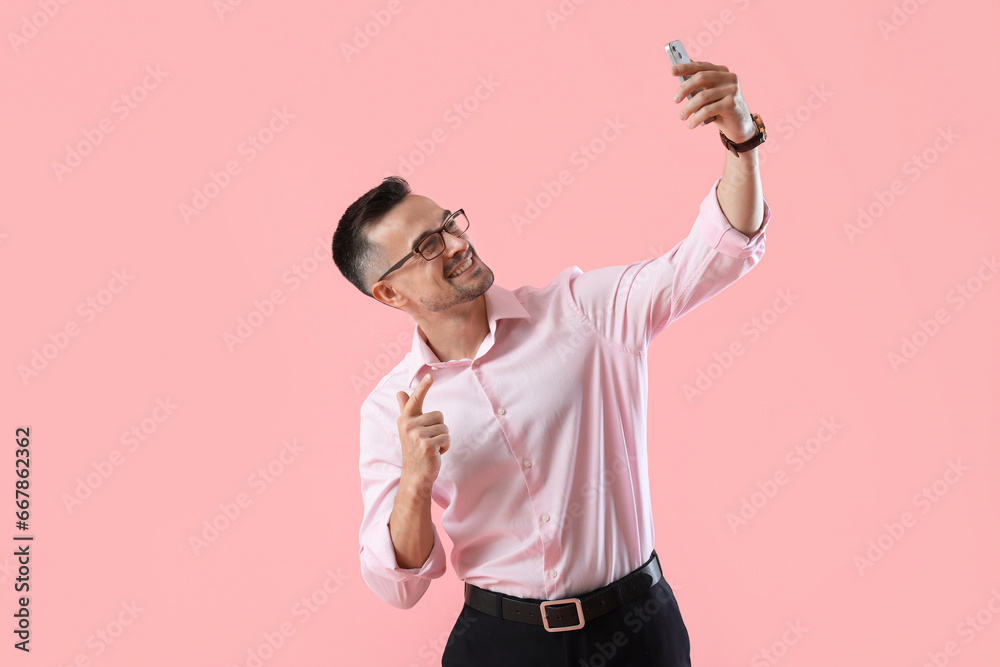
428,232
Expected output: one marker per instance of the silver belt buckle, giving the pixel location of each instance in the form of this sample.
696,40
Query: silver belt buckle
579,612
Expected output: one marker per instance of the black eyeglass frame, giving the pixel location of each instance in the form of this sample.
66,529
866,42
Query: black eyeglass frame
440,231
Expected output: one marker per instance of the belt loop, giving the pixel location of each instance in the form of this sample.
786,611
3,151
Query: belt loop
499,600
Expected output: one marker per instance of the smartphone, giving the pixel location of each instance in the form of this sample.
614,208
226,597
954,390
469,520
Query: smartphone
677,54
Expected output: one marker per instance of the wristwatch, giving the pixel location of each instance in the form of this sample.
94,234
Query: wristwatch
749,144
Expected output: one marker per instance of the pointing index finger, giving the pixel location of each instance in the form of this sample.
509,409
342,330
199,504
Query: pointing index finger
415,406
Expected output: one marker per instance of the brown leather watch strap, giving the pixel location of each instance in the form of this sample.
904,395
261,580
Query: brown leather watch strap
749,144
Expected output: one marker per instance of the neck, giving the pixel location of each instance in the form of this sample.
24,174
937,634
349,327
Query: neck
457,332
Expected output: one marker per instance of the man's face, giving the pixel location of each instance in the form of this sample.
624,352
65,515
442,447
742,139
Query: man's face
429,283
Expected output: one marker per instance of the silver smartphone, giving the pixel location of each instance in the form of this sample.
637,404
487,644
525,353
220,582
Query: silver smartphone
677,54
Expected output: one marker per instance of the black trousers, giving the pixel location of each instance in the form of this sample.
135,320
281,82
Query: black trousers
646,632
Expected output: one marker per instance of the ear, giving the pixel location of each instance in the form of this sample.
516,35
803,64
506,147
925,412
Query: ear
383,292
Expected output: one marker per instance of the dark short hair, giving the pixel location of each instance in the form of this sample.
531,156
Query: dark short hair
357,257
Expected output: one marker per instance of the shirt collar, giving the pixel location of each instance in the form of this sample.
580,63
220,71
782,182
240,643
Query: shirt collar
500,303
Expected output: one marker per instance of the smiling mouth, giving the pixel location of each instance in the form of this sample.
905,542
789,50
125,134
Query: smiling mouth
466,265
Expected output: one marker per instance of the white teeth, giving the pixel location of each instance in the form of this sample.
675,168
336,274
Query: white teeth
462,268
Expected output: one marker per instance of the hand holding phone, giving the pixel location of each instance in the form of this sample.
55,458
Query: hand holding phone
678,56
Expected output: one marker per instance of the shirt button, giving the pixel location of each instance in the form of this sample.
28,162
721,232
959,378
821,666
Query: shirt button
527,463
476,362
434,368
545,517
553,574
501,411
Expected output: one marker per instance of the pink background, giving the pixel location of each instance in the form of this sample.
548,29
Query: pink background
848,105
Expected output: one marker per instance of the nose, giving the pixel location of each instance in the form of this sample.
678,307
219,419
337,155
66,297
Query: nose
456,245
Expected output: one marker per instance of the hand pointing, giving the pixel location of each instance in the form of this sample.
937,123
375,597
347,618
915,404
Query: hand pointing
422,438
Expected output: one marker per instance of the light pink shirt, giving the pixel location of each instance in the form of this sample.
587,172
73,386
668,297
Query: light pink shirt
545,488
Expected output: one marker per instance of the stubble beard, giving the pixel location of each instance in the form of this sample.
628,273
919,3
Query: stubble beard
463,292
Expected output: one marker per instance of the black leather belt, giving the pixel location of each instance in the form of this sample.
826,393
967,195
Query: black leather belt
567,613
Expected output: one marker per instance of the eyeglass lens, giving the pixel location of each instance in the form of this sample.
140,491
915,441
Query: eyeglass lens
433,245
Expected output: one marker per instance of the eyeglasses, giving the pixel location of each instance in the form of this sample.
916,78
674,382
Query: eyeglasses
432,244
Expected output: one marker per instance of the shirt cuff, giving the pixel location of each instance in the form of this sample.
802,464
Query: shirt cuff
381,556
720,234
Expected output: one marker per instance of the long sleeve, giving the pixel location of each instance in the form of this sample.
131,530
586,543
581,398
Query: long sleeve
380,466
630,304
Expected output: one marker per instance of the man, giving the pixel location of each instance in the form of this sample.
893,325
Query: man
523,414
